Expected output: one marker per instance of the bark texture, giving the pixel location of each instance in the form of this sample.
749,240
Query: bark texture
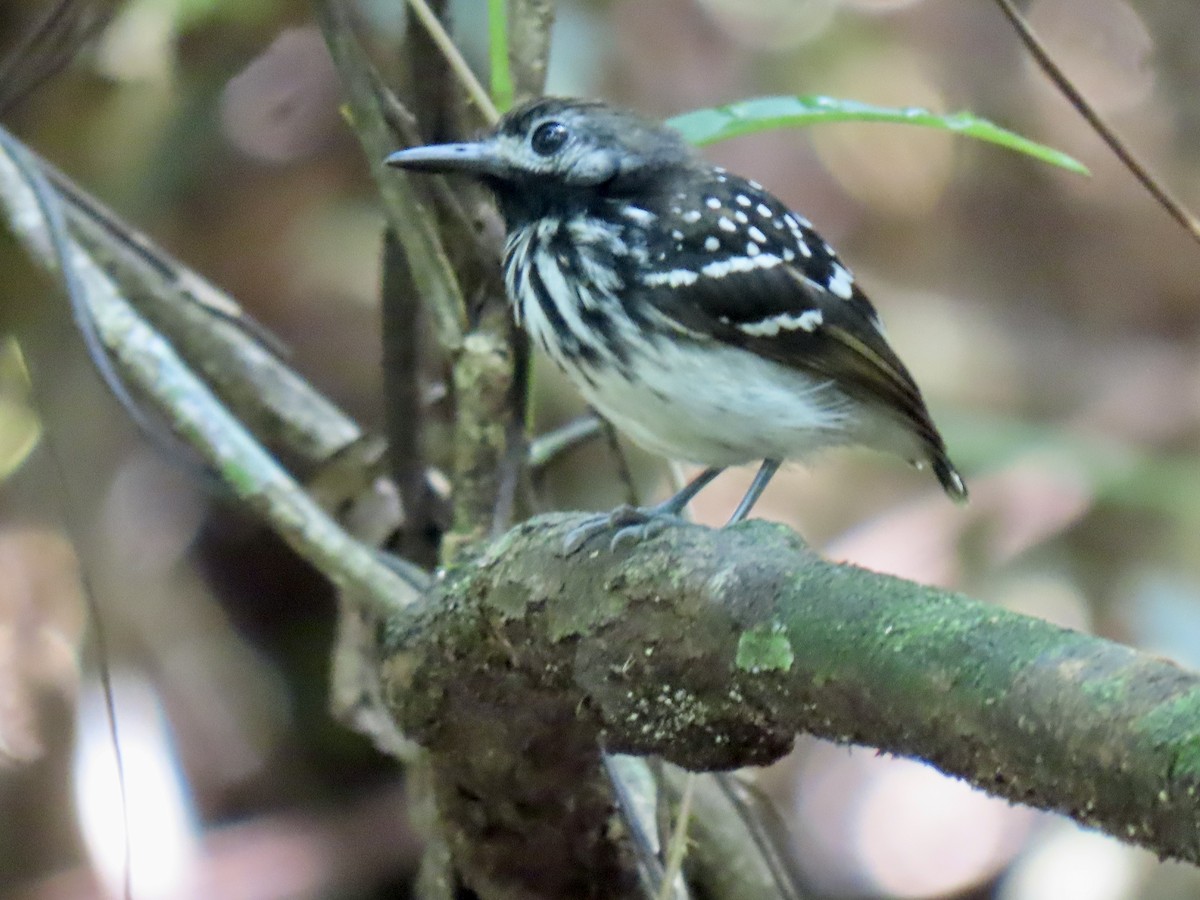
713,649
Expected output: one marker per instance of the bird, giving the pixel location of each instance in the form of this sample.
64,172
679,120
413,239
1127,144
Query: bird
691,307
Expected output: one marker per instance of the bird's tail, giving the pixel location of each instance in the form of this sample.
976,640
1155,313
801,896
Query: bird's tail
952,483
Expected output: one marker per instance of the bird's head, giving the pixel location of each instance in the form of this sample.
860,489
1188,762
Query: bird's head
556,150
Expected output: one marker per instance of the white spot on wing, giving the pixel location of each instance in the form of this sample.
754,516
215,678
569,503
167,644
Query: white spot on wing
674,278
742,200
712,203
726,224
692,216
841,282
756,234
639,215
712,243
809,320
732,264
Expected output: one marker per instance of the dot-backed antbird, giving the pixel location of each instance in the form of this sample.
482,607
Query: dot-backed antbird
691,307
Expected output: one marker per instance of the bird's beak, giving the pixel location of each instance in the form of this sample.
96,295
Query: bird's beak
479,158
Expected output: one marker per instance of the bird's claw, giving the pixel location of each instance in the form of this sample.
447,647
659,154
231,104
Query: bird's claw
632,525
636,533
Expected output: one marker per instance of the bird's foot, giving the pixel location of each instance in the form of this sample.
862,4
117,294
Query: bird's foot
629,525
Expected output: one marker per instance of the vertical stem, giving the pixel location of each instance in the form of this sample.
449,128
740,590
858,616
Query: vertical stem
502,85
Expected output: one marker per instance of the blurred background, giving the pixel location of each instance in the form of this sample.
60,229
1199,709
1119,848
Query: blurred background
1051,319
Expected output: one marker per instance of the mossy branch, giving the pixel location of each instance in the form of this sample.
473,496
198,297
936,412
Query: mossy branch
713,649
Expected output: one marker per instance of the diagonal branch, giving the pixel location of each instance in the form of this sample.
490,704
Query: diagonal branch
48,45
480,349
1165,198
460,67
149,363
211,333
412,223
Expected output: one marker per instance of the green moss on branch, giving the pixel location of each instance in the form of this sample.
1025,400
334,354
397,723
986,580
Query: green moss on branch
676,648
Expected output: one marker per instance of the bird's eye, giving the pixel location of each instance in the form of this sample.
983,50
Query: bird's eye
548,138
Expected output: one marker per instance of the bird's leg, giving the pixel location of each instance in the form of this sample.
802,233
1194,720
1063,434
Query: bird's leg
673,506
761,479
636,523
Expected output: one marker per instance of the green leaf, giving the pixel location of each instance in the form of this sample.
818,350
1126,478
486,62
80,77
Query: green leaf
706,126
502,84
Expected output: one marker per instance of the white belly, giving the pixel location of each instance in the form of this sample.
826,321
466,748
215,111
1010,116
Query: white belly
720,407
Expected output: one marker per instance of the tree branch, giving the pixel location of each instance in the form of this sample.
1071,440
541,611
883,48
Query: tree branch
529,23
150,364
411,222
1159,191
209,331
714,649
480,350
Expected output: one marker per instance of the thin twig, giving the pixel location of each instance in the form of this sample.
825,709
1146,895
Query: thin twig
635,790
47,204
237,359
548,447
401,120
530,23
621,461
513,474
48,46
1042,56
51,212
765,830
501,80
677,841
462,70
432,272
677,848
151,365
404,407
90,218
